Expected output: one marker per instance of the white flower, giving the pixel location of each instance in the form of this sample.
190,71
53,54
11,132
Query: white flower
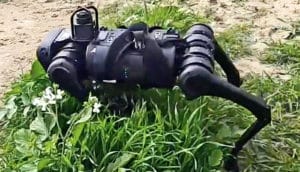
36,101
39,102
96,108
93,99
48,92
49,96
59,94
51,102
44,105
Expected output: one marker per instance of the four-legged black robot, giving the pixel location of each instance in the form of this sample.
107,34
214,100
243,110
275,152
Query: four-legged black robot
147,57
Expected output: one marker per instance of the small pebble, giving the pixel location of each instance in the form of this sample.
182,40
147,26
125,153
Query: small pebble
54,15
218,18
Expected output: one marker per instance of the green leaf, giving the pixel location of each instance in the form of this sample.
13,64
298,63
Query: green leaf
39,126
76,133
25,99
23,139
28,168
23,136
224,132
11,107
26,110
215,158
37,70
66,161
50,145
120,162
43,163
122,170
11,112
85,114
50,122
3,112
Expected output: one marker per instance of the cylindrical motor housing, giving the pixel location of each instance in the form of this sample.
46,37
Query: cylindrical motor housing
198,61
83,26
199,39
67,69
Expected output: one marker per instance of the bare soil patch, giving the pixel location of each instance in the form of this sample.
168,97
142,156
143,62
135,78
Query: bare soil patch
269,20
23,23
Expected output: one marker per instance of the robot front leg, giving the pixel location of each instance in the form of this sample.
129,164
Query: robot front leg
197,81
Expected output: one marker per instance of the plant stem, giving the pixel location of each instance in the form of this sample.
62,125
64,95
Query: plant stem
146,9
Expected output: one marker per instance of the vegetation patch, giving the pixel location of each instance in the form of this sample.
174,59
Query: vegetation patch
287,53
157,14
47,130
235,41
277,147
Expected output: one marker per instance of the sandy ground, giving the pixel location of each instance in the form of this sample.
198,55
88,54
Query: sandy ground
269,20
23,23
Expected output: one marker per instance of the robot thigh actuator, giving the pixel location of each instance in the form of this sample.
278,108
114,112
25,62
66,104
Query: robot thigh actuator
148,57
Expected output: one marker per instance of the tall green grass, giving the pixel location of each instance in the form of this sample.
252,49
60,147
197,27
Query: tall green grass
164,132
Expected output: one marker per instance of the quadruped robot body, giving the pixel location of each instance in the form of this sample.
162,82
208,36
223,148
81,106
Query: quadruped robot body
149,57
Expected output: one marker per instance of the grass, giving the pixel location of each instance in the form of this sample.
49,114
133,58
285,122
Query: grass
164,132
277,148
235,41
69,135
156,14
287,53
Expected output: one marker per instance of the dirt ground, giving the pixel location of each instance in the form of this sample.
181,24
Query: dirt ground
23,23
269,20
